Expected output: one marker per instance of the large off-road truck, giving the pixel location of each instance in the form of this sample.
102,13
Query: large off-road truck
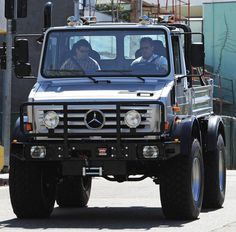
129,119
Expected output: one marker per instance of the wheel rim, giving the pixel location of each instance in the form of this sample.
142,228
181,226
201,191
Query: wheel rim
196,179
221,170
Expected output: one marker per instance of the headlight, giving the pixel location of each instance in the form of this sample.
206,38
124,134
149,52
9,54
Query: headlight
51,120
150,152
38,152
132,119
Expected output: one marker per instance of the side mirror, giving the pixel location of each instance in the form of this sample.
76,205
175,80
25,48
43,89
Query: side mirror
197,55
21,51
47,15
23,70
21,58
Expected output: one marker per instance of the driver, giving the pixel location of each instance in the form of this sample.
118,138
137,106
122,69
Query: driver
149,62
80,59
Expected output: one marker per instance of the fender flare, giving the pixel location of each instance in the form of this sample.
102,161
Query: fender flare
17,133
185,131
214,128
16,148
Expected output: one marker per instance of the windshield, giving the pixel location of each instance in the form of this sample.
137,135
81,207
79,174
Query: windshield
78,53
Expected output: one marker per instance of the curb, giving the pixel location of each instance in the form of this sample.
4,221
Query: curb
4,179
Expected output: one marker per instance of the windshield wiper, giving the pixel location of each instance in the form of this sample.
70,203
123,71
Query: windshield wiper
80,74
140,78
75,73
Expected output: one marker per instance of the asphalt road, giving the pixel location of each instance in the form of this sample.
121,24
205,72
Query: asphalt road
127,206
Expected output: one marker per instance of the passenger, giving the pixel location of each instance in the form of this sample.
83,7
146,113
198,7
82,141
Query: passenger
149,62
80,59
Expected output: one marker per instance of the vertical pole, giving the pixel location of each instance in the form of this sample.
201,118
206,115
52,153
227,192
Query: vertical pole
175,9
141,8
112,10
7,89
117,11
189,12
90,10
173,6
136,7
180,11
77,9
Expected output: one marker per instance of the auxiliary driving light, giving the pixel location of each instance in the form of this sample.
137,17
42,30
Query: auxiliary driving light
132,119
51,119
150,152
38,152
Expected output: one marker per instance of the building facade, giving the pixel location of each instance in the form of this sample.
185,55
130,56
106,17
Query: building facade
33,24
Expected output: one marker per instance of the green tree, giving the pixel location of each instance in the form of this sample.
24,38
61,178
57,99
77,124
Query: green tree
123,15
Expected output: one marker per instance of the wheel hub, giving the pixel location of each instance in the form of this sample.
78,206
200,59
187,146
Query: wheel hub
221,171
196,179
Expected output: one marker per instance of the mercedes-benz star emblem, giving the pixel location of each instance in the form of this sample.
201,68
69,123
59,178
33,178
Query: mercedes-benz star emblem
94,119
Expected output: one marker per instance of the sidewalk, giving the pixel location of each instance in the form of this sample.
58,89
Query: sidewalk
4,179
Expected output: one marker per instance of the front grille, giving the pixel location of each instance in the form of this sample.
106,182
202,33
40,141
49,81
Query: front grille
76,118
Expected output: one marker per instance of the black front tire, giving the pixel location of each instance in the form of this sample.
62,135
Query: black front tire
215,176
74,191
181,192
32,188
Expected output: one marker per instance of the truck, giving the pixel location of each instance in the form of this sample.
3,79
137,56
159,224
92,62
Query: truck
125,120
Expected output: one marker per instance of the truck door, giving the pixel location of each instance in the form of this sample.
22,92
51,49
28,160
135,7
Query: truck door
181,85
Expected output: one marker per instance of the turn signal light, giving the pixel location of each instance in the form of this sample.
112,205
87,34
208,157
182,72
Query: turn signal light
176,109
167,126
28,126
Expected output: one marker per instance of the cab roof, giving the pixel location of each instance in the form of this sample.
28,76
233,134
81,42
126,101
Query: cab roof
115,26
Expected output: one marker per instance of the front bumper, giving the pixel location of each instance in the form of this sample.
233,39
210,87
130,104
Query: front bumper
75,155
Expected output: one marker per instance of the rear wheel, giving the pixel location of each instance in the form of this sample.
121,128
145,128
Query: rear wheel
32,188
215,176
181,186
74,191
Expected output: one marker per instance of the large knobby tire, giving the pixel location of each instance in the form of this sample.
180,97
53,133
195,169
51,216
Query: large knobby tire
181,185
215,176
74,192
32,188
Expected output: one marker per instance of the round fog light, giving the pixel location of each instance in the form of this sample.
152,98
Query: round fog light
132,119
150,152
51,119
38,152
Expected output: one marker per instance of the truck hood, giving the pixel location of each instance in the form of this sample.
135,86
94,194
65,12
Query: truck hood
64,91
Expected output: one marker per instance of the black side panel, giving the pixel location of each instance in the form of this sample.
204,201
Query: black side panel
184,132
17,149
215,126
17,133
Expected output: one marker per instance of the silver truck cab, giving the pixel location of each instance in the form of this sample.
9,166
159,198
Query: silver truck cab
123,102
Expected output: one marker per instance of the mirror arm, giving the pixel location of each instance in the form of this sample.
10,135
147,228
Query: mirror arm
200,76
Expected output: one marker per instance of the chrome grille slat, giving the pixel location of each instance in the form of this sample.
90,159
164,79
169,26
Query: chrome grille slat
109,123
76,115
